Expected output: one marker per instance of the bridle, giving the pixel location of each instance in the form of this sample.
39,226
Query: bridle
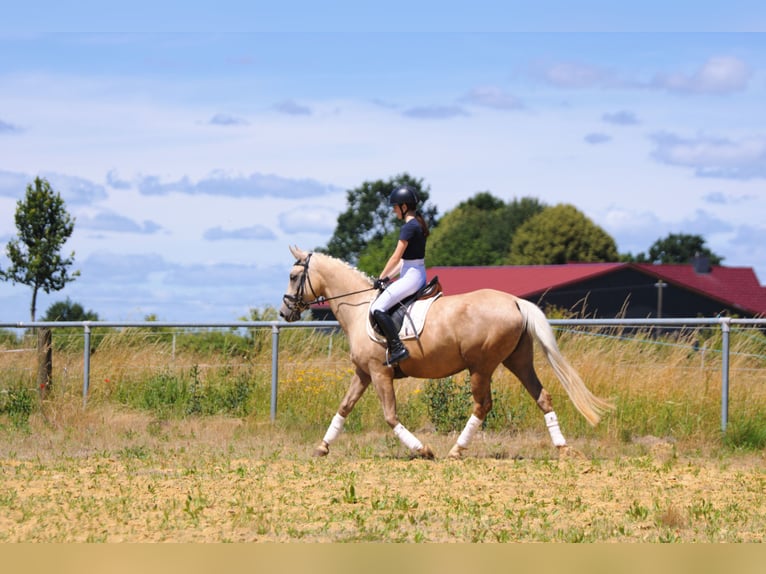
297,303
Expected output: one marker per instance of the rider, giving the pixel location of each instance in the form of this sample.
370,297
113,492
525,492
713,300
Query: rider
408,261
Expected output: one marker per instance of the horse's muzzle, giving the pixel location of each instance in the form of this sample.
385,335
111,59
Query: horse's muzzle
289,311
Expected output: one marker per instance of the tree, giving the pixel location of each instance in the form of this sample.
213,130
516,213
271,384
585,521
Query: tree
479,230
44,225
560,234
369,217
69,311
679,248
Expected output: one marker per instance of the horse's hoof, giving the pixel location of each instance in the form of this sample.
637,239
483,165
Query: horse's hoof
456,452
322,450
425,452
566,452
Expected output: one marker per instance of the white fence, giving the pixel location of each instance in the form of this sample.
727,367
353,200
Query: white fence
723,323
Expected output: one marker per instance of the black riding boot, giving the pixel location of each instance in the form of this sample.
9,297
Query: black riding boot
396,349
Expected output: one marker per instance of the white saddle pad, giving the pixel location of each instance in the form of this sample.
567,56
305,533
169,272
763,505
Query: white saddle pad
414,320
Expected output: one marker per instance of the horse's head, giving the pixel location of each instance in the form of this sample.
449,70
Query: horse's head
296,299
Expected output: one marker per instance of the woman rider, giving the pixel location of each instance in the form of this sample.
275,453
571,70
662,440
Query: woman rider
408,261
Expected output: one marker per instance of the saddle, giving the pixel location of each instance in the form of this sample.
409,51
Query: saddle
409,314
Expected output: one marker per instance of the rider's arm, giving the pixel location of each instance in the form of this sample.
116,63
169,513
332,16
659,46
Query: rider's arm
394,265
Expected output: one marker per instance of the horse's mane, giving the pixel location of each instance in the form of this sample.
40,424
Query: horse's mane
339,262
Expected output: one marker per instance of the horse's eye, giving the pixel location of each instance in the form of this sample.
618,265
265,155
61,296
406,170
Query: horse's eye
293,277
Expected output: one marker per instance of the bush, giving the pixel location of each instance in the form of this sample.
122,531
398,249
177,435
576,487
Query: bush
171,395
746,434
17,402
448,403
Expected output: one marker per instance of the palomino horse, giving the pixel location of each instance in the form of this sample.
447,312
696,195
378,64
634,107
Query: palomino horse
475,331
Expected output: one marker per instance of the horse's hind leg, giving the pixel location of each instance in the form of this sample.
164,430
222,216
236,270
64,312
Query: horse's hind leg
521,364
482,404
359,383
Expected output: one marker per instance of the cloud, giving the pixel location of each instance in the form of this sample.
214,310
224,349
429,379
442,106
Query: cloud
6,128
720,198
492,97
253,185
573,75
597,138
227,120
129,287
705,224
74,190
292,108
219,274
13,184
636,232
714,157
256,232
113,269
308,219
108,221
719,75
435,112
113,180
621,118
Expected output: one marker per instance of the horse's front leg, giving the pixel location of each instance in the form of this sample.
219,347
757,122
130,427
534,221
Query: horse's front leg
384,387
359,383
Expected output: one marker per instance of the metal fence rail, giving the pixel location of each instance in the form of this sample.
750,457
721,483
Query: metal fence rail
724,323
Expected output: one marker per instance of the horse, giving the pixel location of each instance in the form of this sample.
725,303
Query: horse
476,331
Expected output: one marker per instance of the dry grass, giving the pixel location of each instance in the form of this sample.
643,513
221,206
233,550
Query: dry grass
655,470
113,475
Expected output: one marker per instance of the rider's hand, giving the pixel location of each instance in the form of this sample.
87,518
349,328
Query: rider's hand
381,283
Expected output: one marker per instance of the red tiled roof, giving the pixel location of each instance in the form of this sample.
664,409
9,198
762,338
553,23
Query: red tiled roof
737,287
521,280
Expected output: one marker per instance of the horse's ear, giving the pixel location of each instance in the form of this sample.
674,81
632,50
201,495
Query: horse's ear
297,253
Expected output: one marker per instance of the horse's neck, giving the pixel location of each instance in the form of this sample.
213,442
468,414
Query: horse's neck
340,281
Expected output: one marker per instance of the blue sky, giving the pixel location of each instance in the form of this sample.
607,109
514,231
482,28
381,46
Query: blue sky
194,144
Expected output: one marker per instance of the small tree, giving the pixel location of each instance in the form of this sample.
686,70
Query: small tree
479,230
680,248
558,235
69,311
44,225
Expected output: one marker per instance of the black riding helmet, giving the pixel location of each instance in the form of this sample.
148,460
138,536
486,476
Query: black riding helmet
403,195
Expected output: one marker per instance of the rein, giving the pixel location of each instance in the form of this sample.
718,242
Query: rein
297,301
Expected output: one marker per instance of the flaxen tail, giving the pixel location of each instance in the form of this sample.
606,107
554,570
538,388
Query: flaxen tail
589,405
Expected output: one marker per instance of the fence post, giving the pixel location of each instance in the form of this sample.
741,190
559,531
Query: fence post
85,365
725,328
274,369
44,361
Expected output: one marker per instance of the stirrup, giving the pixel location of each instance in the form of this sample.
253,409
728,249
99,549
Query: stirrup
400,355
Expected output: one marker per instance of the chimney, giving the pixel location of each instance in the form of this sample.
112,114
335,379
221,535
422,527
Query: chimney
701,263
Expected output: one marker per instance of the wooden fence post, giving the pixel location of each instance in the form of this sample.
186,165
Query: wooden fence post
44,361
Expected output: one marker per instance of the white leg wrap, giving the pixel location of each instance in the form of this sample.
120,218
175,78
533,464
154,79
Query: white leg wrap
335,428
465,438
408,439
553,428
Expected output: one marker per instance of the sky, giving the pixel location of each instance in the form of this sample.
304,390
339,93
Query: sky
193,144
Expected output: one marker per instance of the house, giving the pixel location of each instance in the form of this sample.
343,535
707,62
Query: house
609,290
